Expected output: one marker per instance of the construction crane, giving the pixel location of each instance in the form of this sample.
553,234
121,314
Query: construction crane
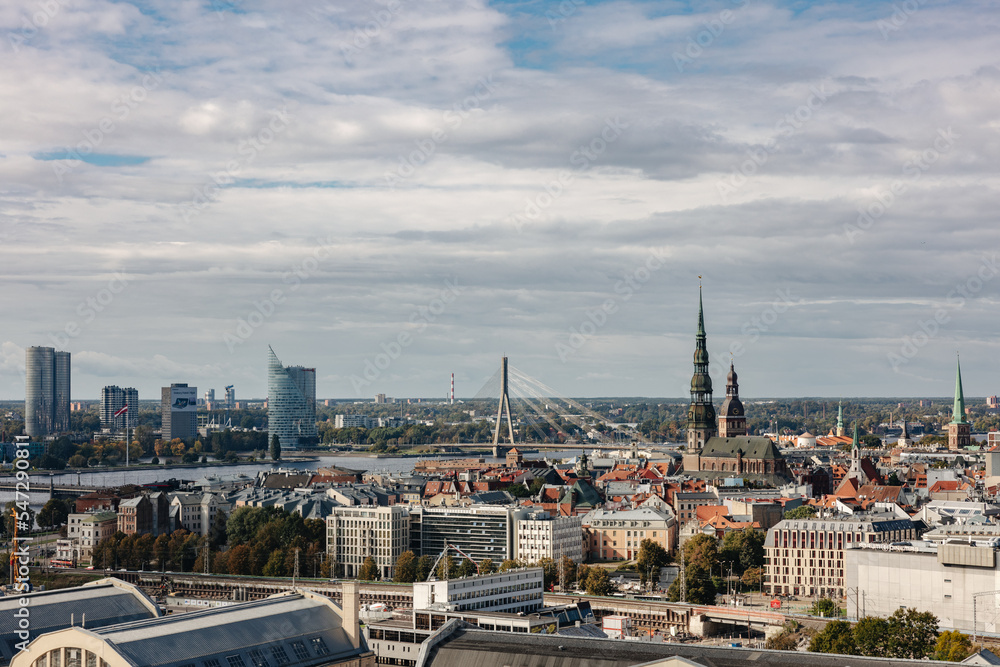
444,552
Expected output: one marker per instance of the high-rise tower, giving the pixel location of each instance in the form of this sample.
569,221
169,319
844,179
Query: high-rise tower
46,391
959,430
291,403
113,399
701,414
732,418
179,411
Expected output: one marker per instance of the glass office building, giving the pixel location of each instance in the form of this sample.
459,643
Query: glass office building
46,391
291,403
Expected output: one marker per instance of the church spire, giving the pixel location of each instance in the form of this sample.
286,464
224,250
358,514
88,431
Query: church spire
701,313
958,410
840,418
701,423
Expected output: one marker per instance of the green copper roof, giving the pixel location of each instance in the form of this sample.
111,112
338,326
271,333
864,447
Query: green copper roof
855,444
701,314
958,411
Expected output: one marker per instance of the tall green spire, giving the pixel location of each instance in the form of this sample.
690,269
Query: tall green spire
856,444
701,315
701,422
958,411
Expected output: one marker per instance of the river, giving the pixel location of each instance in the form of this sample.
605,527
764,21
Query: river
39,482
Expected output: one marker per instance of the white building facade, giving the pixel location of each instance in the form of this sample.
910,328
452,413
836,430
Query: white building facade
514,591
540,535
948,580
355,533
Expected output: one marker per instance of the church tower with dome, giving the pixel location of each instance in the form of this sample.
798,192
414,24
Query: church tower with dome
719,448
732,418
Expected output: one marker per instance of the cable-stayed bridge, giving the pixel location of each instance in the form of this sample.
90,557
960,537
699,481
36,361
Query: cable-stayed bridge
542,411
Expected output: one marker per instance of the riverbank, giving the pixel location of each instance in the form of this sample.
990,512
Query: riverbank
139,467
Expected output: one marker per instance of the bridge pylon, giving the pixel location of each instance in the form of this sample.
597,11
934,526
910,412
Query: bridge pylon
504,407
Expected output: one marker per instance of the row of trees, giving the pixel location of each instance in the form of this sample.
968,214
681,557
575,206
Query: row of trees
261,541
907,634
740,553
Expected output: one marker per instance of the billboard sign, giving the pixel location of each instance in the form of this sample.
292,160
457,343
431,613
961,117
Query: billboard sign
184,399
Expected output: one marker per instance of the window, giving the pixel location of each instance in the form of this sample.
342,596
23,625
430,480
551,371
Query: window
300,650
211,663
55,658
258,659
235,660
319,646
279,654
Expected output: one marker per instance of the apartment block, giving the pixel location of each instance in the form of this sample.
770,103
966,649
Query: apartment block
806,556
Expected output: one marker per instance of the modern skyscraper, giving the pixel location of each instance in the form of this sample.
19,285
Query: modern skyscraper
291,403
959,430
115,398
46,391
701,413
179,409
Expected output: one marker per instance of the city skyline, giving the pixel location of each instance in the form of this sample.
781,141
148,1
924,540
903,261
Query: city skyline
447,184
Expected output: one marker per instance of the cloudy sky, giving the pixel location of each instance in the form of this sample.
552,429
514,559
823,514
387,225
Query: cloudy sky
392,191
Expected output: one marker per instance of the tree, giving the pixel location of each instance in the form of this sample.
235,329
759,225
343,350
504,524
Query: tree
25,518
406,568
785,641
825,607
486,566
239,560
870,636
161,549
446,568
369,570
466,568
275,448
952,646
77,461
509,564
424,565
599,582
752,577
275,566
912,634
836,637
53,514
702,550
217,533
800,512
567,569
651,558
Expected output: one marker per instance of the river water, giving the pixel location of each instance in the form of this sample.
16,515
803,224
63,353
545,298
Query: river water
39,482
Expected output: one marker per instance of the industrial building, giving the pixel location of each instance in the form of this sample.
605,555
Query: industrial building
293,629
95,605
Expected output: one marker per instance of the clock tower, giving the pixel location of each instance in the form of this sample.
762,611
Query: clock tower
732,418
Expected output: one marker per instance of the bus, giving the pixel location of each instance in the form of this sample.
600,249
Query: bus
60,563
